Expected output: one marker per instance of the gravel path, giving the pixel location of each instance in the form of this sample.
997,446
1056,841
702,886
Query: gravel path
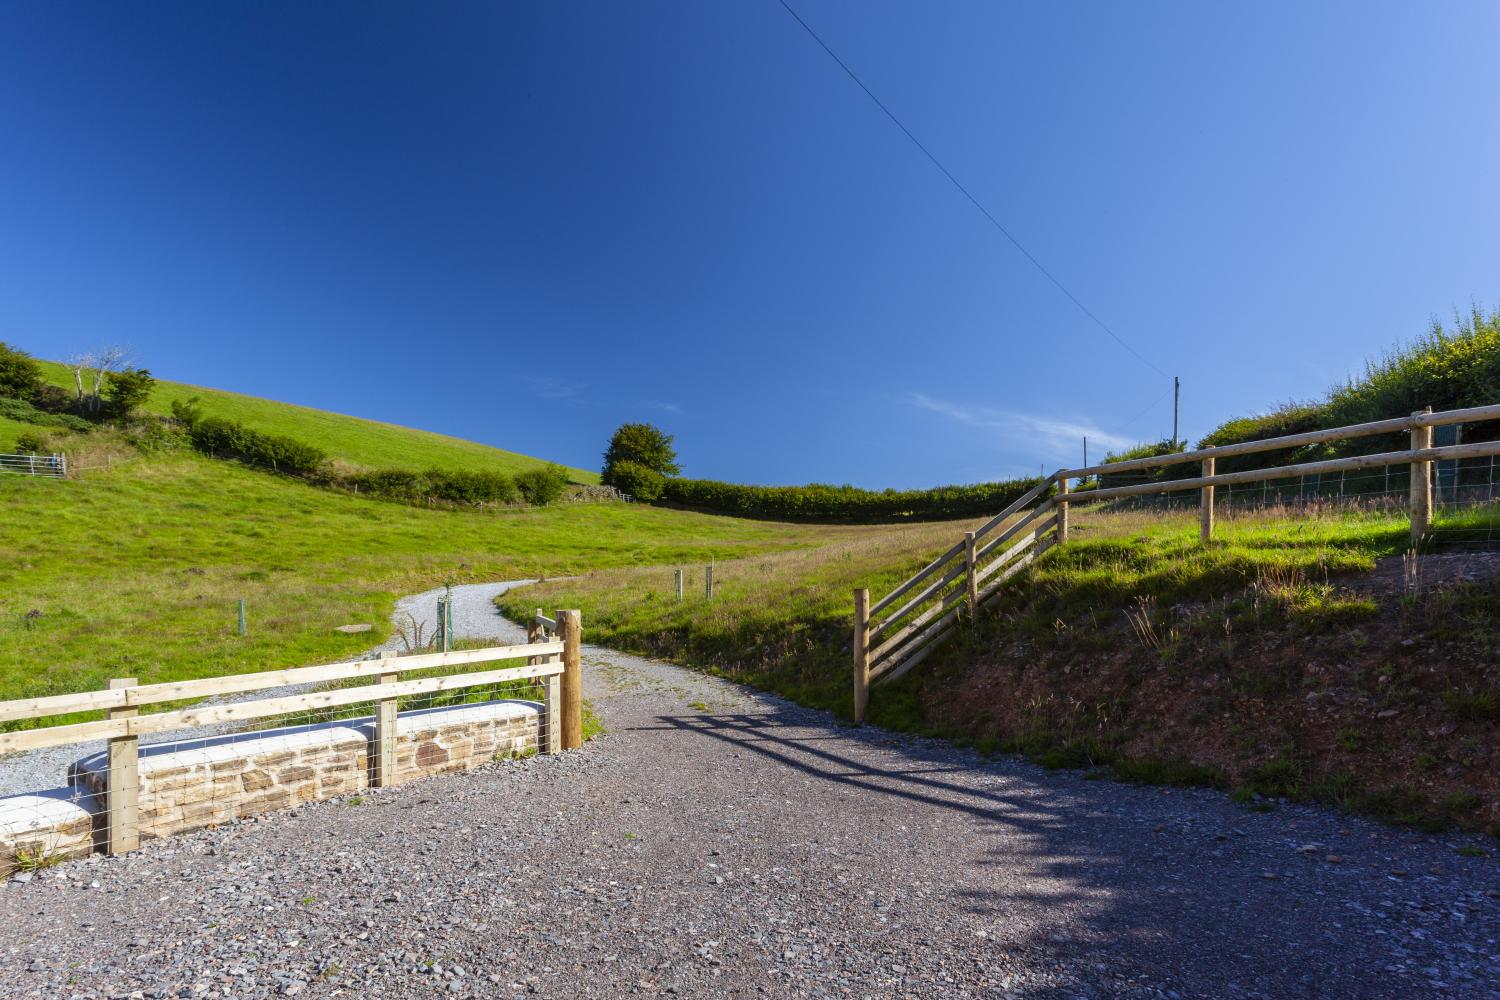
723,843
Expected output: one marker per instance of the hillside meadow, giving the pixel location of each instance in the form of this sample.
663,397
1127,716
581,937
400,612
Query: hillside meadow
134,569
367,443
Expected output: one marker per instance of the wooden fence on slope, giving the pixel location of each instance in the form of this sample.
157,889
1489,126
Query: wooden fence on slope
961,579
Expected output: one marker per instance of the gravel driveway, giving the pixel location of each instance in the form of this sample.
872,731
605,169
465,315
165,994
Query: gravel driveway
718,842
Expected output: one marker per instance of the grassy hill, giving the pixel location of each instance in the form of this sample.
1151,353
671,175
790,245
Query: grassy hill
134,568
353,439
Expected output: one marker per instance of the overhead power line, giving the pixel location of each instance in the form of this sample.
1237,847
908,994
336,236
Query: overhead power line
973,200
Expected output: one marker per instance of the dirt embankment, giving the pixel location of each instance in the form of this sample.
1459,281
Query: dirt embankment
1379,694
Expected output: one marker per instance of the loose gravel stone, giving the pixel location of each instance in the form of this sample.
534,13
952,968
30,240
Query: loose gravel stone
759,849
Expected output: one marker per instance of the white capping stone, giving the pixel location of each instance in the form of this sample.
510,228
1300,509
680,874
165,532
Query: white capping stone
58,821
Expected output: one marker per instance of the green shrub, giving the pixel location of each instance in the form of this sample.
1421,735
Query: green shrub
20,376
466,488
229,439
126,391
187,411
19,409
819,502
543,485
390,484
638,481
471,487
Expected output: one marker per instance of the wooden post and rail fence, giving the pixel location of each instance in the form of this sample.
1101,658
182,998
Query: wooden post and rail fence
554,663
923,611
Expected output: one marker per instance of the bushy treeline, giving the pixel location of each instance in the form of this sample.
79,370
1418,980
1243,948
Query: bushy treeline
820,502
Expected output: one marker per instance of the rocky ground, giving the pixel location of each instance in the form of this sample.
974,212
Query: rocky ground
718,842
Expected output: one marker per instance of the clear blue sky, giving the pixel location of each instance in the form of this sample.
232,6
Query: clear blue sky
527,223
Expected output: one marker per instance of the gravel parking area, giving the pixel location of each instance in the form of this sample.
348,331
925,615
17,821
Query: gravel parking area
722,843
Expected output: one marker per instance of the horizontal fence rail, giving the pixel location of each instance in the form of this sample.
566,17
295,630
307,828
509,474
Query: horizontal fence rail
48,466
968,574
552,664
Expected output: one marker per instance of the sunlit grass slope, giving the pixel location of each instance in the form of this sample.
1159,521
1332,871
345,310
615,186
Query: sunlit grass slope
782,621
353,439
134,569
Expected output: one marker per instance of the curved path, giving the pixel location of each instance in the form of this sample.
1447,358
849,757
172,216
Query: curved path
723,843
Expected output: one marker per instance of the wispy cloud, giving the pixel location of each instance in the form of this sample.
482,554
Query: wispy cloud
657,404
549,387
1054,437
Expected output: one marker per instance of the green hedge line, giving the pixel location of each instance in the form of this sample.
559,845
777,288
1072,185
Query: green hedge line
820,502
231,439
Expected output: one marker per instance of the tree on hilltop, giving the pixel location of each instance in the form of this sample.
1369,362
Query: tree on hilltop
643,445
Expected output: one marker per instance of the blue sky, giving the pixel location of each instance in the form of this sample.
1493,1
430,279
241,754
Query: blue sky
526,224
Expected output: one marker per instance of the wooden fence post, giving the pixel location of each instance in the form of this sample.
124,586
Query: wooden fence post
971,575
1062,510
678,575
1206,505
708,582
1421,481
124,833
383,760
570,630
861,653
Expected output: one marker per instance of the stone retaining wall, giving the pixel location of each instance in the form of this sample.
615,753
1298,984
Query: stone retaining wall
189,785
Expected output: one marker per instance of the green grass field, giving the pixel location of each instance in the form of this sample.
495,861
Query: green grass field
352,439
135,568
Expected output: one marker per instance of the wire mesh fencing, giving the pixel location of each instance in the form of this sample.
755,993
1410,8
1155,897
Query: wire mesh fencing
1465,492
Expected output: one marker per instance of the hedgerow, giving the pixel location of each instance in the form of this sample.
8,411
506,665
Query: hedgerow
821,502
231,439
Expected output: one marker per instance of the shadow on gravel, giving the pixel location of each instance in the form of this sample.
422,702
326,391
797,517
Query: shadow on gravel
1038,839
1067,867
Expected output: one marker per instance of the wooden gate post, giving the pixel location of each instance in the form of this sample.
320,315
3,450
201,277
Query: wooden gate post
1421,481
383,760
124,833
971,575
1206,505
570,631
534,634
1062,510
861,653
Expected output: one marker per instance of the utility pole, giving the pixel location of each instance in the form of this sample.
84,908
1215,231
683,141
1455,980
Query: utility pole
1176,405
1085,451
